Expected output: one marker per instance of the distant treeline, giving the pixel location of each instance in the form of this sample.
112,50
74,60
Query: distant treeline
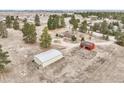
114,15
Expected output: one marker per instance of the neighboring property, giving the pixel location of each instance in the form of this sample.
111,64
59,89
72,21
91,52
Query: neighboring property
48,57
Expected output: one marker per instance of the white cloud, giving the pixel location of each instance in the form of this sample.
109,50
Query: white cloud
61,4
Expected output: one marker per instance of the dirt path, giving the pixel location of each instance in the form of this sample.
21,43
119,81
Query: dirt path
104,43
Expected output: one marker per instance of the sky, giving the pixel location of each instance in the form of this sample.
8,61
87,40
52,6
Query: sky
62,4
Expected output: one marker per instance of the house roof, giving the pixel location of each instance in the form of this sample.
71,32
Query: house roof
50,54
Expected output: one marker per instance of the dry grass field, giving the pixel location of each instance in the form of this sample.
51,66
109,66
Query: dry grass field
104,64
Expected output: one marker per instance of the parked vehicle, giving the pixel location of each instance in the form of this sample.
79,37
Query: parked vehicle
87,45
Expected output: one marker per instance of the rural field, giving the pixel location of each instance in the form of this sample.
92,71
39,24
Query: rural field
104,63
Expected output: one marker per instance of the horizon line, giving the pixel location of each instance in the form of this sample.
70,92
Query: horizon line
69,10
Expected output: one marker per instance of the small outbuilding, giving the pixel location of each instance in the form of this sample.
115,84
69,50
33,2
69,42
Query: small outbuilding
48,57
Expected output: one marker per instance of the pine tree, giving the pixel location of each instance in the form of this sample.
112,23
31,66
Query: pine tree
75,25
104,27
16,24
49,23
96,27
72,19
29,33
55,21
122,20
12,17
46,39
62,22
83,27
8,22
3,31
74,22
120,38
37,20
3,59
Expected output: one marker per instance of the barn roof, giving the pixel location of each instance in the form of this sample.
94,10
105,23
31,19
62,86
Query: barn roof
48,55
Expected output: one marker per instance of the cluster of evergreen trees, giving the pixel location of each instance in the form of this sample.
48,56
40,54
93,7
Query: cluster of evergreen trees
12,22
9,23
114,15
106,28
55,21
29,35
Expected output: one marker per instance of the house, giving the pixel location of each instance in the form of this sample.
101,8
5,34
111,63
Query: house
48,57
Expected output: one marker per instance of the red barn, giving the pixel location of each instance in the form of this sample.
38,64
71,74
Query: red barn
87,45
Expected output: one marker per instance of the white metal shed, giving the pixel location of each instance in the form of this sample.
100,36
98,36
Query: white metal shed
48,57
